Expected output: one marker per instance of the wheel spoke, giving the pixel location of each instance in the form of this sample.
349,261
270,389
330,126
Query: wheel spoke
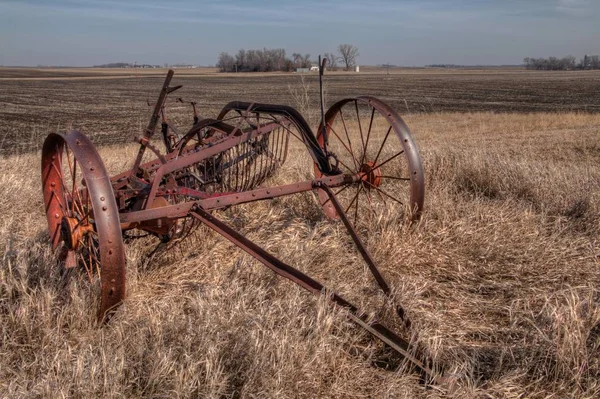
79,204
69,164
59,202
342,189
345,146
86,266
352,202
58,170
346,166
71,171
368,136
95,246
382,198
388,160
370,202
395,178
382,144
74,192
360,187
87,215
74,178
60,174
347,135
384,193
69,160
362,139
336,193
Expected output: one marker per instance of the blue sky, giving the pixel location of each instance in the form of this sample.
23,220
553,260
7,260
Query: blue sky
88,32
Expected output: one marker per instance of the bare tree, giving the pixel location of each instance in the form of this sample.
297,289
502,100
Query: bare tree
225,62
348,54
569,62
297,58
332,60
306,61
240,60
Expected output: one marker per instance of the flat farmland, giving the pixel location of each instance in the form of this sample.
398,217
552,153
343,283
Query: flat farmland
111,106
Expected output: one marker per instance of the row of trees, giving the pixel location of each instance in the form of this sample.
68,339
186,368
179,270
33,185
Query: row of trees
267,60
562,64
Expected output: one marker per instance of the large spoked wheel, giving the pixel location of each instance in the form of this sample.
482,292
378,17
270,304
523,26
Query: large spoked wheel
83,218
368,139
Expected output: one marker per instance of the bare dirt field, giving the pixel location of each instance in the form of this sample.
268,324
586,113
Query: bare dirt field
114,110
500,278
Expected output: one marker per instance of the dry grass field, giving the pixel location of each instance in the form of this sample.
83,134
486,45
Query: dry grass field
500,278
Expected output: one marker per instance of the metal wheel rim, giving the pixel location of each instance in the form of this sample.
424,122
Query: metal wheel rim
100,209
409,151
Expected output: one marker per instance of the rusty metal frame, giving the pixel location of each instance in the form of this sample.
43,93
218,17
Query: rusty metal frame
153,182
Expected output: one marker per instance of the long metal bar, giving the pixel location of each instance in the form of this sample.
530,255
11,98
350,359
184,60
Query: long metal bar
361,248
386,335
322,101
357,241
225,200
149,132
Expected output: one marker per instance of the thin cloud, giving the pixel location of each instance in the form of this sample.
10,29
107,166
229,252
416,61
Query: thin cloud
115,10
577,8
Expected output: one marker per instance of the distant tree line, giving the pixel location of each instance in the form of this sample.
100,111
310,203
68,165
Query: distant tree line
268,60
562,64
265,60
125,65
451,66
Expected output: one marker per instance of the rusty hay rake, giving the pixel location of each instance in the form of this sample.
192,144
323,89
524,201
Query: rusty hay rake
366,164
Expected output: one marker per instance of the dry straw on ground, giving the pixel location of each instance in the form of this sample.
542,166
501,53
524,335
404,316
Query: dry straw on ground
500,279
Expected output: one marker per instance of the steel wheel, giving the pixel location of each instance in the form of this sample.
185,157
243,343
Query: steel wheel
83,218
367,139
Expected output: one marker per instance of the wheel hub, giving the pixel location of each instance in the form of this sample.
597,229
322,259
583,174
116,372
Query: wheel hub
370,173
72,232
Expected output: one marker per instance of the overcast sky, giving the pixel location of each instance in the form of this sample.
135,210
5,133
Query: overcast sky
89,32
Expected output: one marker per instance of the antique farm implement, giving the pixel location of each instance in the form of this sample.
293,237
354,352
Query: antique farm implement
365,164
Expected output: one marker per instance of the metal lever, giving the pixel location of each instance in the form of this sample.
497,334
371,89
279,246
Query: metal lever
149,132
324,131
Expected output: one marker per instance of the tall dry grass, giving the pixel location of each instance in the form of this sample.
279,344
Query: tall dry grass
500,280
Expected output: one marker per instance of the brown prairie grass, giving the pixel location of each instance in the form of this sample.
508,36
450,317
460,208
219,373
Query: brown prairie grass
500,280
